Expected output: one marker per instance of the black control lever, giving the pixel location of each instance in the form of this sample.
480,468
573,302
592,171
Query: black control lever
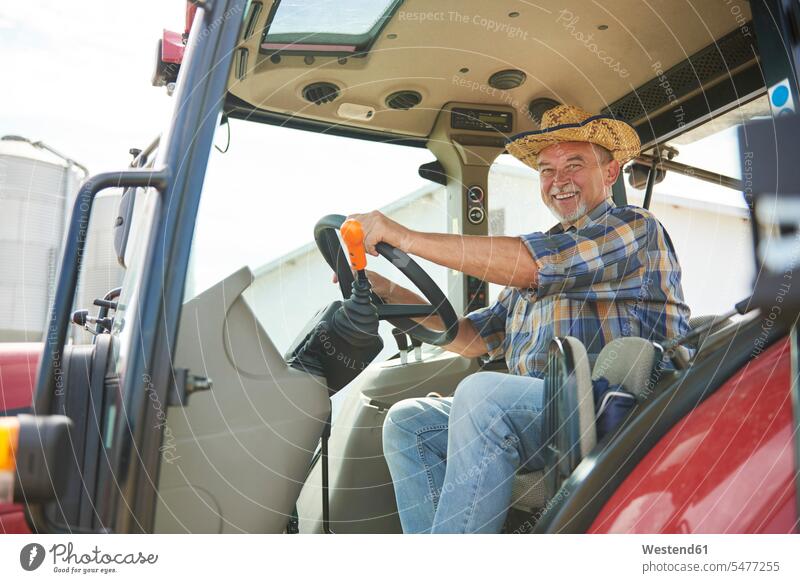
402,344
79,317
84,320
105,304
417,344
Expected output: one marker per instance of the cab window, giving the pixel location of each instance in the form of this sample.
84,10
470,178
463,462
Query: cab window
262,198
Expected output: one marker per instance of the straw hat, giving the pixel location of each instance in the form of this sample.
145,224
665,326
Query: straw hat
567,123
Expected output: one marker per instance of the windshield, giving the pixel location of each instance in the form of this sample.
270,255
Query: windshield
262,198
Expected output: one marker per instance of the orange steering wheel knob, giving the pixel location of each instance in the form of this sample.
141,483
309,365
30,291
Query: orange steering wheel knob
353,236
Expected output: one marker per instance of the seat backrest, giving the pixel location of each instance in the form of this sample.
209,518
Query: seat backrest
584,396
569,427
627,362
569,416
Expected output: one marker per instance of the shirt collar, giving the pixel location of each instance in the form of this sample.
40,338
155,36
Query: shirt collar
588,219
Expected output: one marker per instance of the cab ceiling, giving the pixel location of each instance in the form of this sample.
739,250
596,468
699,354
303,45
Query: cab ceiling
590,54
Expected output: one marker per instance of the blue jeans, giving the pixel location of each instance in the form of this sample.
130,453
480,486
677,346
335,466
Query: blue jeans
453,460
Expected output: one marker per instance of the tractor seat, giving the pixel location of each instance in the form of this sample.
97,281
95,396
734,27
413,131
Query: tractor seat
626,361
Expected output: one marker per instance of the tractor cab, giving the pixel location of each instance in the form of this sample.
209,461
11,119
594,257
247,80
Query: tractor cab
248,395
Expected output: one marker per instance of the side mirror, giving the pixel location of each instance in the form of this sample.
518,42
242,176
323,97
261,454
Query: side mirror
122,224
637,175
434,171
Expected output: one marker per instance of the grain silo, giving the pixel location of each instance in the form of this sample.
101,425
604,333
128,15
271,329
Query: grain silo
37,190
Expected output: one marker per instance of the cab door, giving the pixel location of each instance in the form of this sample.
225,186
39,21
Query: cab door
140,371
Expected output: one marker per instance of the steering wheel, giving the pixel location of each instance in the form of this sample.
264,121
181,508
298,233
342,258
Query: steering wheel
399,315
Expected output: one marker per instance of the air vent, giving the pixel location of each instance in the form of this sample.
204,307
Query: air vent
319,93
508,79
241,63
701,70
537,107
255,12
403,99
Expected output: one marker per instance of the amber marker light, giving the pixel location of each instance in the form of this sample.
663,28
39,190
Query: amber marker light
9,440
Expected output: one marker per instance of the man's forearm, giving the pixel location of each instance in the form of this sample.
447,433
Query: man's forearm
501,260
401,295
467,341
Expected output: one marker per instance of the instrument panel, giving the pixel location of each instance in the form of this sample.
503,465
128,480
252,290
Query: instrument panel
483,120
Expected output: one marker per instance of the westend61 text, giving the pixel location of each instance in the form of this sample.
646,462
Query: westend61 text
675,550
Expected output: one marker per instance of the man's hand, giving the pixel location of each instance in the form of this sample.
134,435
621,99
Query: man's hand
378,227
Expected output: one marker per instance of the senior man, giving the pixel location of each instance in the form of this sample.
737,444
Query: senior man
603,272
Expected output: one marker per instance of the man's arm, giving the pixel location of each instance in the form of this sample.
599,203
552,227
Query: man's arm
600,261
466,343
501,260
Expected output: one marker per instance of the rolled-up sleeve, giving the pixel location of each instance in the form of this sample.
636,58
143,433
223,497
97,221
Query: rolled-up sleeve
490,322
578,260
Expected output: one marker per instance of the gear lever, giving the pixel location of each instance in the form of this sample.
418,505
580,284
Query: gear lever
417,344
357,320
402,343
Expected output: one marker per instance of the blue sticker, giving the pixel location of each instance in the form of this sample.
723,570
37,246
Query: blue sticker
780,96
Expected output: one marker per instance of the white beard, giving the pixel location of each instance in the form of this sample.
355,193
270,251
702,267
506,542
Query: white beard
580,208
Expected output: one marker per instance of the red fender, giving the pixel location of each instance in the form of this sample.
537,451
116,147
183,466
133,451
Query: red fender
727,467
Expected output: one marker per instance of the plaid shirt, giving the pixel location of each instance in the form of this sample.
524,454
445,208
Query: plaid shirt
613,273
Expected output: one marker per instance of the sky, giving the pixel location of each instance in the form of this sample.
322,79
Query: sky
77,76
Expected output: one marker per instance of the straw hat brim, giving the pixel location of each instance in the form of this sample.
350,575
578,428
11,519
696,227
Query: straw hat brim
616,136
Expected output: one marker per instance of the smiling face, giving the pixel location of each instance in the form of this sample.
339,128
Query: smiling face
575,178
